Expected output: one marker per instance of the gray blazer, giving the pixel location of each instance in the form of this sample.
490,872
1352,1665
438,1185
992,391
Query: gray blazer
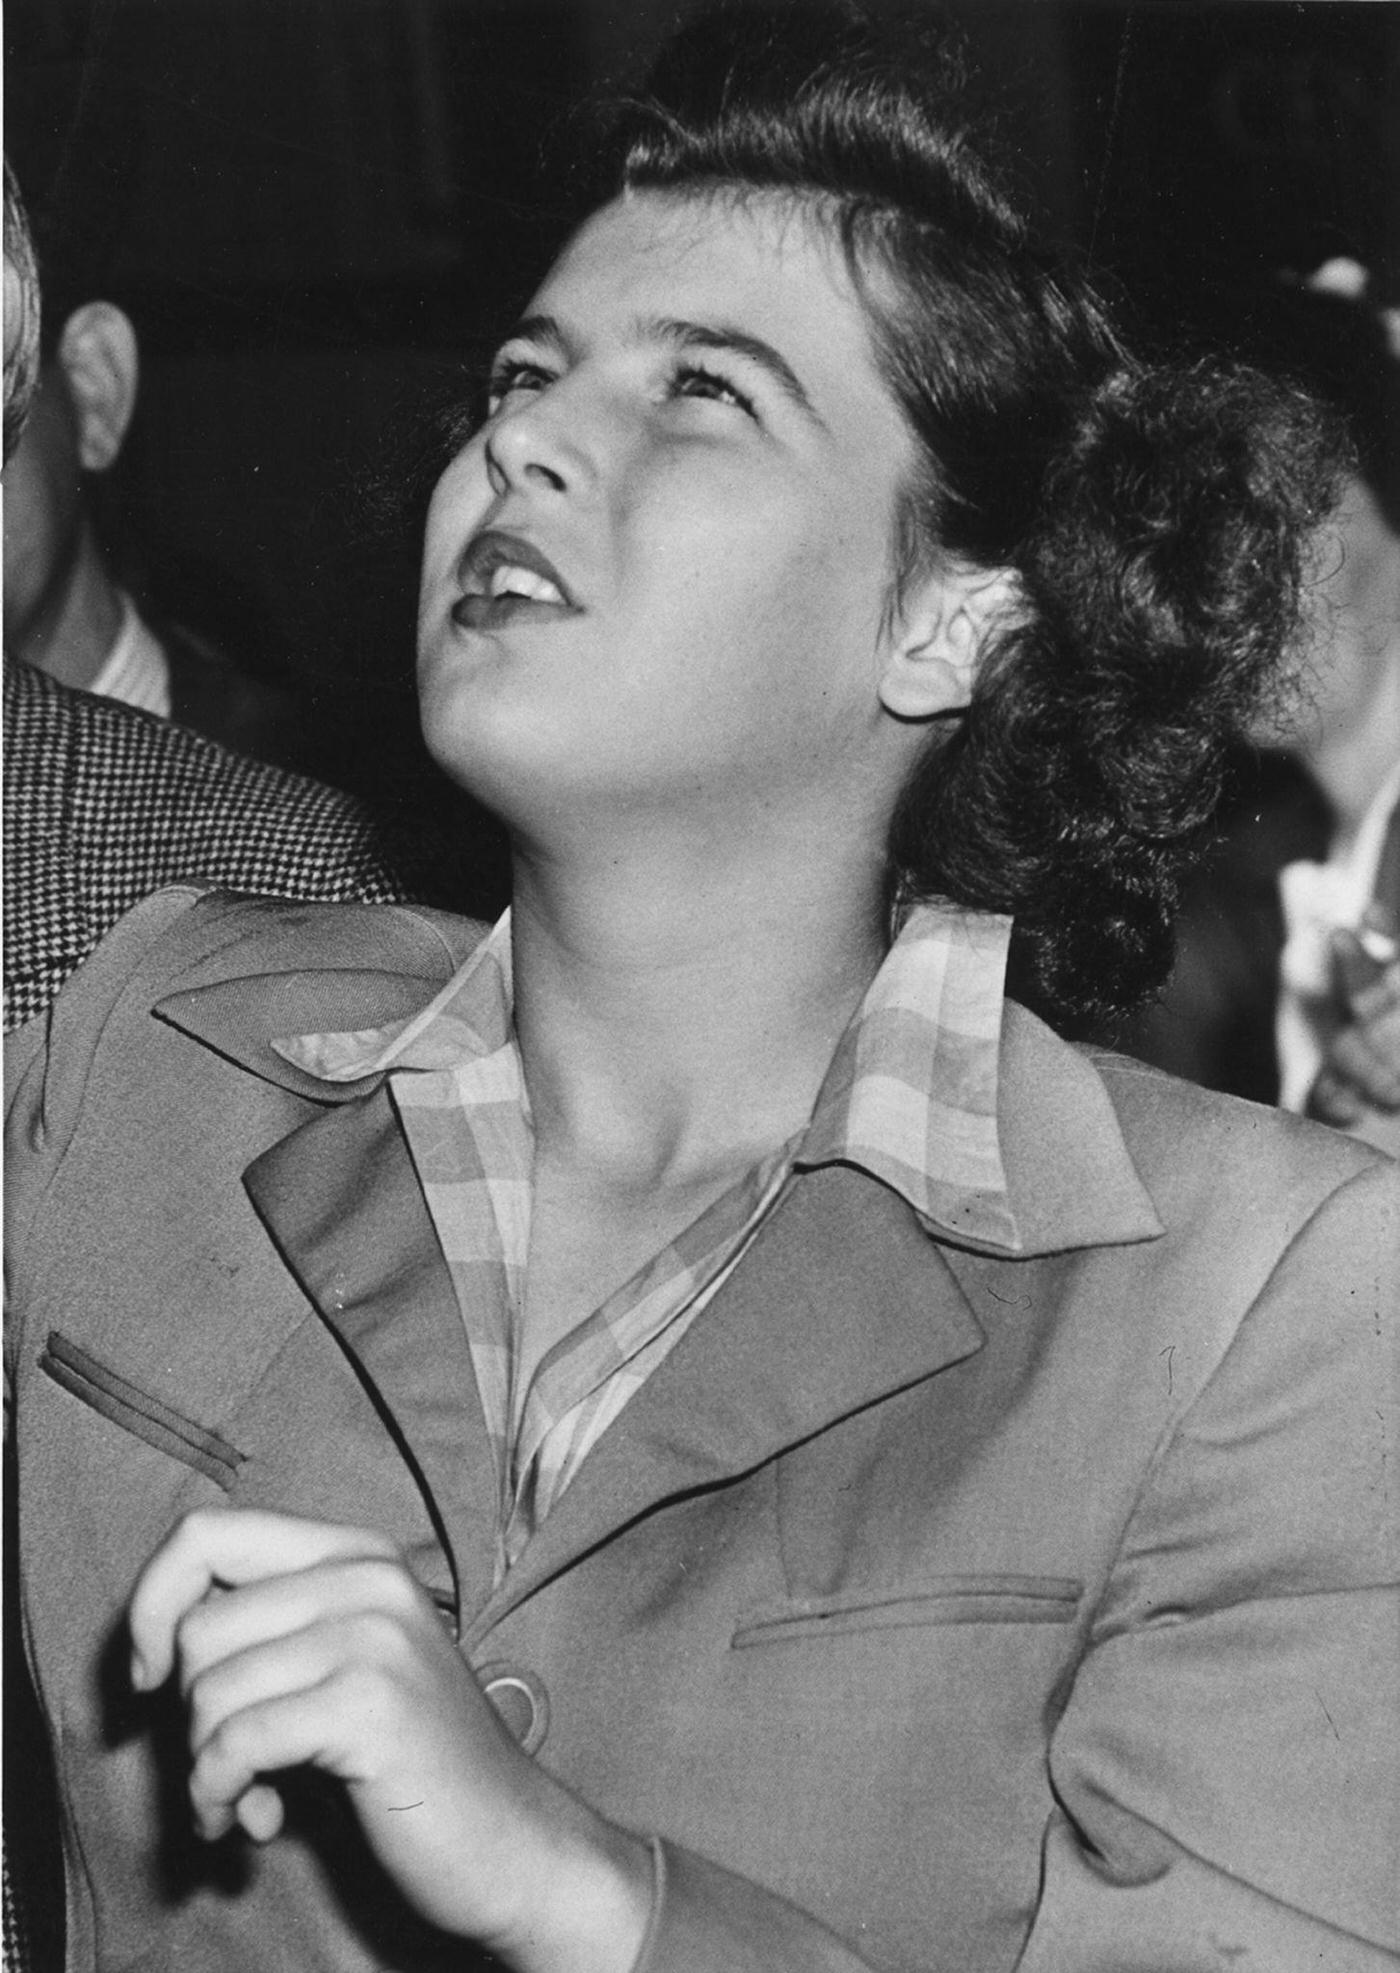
935,1610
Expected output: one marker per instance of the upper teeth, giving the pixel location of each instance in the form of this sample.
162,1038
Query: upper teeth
509,579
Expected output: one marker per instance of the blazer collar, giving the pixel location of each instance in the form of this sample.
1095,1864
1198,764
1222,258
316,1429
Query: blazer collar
1070,1179
241,1014
1069,1174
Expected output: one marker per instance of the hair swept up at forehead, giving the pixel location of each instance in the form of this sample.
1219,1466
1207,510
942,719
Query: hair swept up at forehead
786,94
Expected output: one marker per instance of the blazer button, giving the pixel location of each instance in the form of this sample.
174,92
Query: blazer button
520,1699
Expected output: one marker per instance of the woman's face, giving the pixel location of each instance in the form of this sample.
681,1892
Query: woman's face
660,574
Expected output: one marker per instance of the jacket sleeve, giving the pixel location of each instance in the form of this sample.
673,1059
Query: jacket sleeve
709,1920
1227,1764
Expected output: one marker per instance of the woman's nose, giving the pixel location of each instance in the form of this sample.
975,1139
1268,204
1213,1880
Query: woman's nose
528,446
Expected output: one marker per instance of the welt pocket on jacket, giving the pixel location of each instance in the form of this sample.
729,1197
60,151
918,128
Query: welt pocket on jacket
1000,1599
126,1404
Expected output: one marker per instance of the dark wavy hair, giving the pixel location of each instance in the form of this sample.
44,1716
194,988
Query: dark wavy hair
1157,518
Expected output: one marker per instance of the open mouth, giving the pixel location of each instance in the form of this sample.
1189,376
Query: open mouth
503,577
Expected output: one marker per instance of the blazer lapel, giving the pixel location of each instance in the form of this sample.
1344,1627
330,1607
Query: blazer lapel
341,1200
841,1300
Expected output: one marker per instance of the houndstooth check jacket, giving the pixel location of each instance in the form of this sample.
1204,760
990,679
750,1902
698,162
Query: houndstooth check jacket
103,805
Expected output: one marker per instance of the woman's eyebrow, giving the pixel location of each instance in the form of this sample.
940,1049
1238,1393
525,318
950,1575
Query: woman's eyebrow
721,337
547,333
541,330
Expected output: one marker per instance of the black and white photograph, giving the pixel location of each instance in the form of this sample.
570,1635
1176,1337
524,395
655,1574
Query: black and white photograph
701,917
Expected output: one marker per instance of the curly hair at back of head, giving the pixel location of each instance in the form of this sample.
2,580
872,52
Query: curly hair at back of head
1165,573
1157,519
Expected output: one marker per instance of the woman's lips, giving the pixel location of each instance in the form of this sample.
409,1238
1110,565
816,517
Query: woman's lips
503,579
478,612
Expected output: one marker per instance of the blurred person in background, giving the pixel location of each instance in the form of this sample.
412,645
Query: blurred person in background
1286,986
205,659
31,1870
135,755
1339,1001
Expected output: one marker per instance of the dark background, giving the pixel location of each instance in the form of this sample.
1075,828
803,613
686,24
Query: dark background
330,206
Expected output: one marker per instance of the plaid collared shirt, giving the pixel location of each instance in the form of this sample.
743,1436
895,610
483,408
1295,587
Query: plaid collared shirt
911,1097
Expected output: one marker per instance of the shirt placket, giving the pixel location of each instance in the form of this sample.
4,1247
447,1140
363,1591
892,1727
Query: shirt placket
559,1417
469,1134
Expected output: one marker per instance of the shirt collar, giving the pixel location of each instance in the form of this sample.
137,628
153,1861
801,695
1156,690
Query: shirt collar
911,1094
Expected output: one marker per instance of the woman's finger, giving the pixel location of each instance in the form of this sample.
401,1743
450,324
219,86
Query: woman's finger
348,1724
277,1668
227,1773
229,1622
259,1812
225,1547
375,1657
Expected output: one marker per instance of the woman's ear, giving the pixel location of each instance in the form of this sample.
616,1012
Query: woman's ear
942,635
101,368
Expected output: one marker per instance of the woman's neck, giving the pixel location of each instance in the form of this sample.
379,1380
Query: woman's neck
676,1019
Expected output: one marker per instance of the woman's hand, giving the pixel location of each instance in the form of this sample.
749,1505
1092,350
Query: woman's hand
301,1642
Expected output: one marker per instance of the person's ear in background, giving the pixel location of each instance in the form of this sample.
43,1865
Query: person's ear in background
62,607
106,589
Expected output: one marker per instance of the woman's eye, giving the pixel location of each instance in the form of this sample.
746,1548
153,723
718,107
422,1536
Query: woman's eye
514,378
693,381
